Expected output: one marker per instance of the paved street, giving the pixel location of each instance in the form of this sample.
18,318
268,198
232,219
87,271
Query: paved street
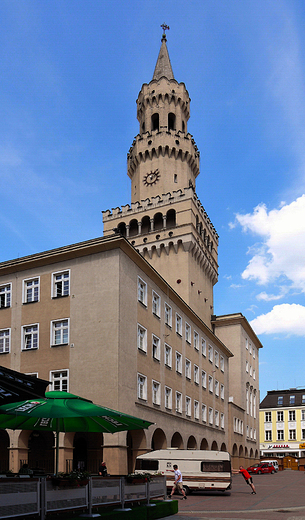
280,496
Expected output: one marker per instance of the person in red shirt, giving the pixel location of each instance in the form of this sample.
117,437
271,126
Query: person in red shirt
246,476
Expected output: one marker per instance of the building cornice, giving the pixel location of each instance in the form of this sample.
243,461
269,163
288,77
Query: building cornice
227,320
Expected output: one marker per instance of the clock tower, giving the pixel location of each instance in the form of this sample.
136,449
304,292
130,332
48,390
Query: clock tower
166,221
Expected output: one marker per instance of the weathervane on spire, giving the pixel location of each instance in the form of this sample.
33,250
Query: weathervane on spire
165,28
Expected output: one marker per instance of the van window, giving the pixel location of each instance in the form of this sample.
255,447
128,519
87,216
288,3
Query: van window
213,467
147,464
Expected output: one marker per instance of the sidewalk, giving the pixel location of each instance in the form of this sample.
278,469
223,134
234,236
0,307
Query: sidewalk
279,496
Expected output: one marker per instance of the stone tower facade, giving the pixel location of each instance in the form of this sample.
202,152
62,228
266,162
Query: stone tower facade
166,221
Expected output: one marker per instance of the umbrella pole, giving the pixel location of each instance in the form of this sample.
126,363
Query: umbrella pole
56,448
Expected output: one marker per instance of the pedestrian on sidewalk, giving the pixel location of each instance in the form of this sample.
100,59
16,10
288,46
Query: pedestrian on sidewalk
246,476
178,484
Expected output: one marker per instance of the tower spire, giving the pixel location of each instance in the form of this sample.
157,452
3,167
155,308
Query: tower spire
163,66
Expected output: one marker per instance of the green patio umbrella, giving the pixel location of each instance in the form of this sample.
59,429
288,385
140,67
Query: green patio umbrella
65,412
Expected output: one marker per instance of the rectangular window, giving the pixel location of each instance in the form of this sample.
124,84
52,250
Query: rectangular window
250,348
247,366
303,399
60,332
216,388
142,291
178,402
222,363
142,387
216,358
303,433
156,304
222,421
254,374
188,405
250,371
178,324
303,415
291,415
203,413
280,435
254,434
292,435
61,284
247,432
156,392
211,384
196,375
142,338
291,399
222,392
188,334
267,416
168,398
210,349
31,290
168,356
196,340
203,347
30,337
168,315
253,354
187,369
60,380
280,416
216,418
211,416
280,400
196,410
5,341
156,348
203,379
268,435
178,363
5,295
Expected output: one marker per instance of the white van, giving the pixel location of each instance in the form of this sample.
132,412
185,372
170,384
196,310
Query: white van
201,469
274,463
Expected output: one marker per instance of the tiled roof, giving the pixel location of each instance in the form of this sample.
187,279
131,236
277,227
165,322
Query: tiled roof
272,398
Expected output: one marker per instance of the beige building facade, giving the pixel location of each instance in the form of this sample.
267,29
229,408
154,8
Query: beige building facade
128,320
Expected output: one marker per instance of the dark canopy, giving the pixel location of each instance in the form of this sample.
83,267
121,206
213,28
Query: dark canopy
15,386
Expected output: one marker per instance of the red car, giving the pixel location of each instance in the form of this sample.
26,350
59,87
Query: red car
263,467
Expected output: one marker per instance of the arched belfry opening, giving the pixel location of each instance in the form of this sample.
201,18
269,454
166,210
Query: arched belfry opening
171,121
155,122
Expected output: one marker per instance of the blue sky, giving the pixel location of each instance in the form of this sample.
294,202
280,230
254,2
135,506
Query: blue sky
70,74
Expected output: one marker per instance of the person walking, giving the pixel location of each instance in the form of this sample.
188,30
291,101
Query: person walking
246,476
178,484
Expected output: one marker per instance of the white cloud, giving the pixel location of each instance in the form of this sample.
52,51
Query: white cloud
281,252
285,319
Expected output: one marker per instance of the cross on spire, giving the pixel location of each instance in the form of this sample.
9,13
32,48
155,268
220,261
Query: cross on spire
165,28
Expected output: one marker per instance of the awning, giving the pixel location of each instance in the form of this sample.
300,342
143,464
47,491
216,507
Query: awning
15,386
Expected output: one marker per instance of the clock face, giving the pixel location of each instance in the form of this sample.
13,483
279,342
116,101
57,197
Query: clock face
151,178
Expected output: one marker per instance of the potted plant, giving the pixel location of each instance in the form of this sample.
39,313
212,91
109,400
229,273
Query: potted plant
73,479
138,478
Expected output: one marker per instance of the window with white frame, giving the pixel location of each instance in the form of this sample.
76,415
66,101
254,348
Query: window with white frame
247,344
168,314
156,393
168,355
188,406
216,358
222,392
31,290
203,413
156,304
60,380
254,434
211,384
178,402
203,379
142,387
61,284
188,333
178,324
291,399
216,388
247,366
142,338
187,369
292,435
156,347
253,353
5,295
5,341
250,371
216,418
222,421
247,400
268,434
168,398
142,291
210,350
280,416
280,400
254,374
251,403
196,410
30,337
303,415
251,433
247,432
303,434
291,414
203,347
250,348
196,340
222,363
211,416
280,435
196,375
254,405
60,332
178,363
